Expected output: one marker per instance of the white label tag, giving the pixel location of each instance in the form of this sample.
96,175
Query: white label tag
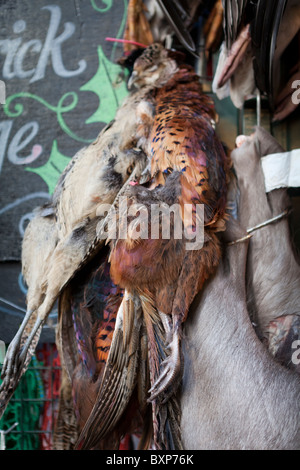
281,170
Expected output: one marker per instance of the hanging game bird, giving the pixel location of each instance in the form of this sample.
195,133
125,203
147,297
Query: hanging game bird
167,121
182,140
160,277
70,239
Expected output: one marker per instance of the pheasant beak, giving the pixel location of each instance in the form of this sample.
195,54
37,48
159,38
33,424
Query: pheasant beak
132,79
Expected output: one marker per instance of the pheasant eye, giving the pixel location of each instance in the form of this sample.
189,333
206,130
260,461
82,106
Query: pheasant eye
130,169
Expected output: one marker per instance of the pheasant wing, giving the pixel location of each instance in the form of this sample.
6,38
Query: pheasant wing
120,375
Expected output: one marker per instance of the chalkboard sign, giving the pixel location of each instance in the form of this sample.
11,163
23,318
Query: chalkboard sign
60,84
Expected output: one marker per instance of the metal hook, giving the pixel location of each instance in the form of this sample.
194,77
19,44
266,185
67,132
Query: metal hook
258,107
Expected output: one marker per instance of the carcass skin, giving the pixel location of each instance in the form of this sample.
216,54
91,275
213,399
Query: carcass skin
101,171
235,396
273,272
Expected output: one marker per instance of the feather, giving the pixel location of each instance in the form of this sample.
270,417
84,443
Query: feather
103,335
188,166
137,28
65,432
42,230
118,381
235,72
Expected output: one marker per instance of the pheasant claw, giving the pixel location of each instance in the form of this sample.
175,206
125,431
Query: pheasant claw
171,369
11,360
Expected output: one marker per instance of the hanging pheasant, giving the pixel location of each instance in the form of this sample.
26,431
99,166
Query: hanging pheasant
160,277
95,176
182,140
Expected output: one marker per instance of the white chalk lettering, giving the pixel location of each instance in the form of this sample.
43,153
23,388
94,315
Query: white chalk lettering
18,143
50,52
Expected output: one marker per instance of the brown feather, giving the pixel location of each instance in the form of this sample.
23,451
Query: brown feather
117,384
188,166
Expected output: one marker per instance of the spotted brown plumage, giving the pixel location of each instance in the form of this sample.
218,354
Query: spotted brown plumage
160,276
182,140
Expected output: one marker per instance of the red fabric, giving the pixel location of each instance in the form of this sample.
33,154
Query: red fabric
125,444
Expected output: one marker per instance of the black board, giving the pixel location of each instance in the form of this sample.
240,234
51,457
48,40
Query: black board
62,85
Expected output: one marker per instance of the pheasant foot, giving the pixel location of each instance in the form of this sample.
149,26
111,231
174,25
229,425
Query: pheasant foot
16,354
170,371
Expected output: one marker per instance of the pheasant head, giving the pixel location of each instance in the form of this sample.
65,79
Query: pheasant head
154,67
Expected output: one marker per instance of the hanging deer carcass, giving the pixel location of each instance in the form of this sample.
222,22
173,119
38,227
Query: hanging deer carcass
273,273
234,394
